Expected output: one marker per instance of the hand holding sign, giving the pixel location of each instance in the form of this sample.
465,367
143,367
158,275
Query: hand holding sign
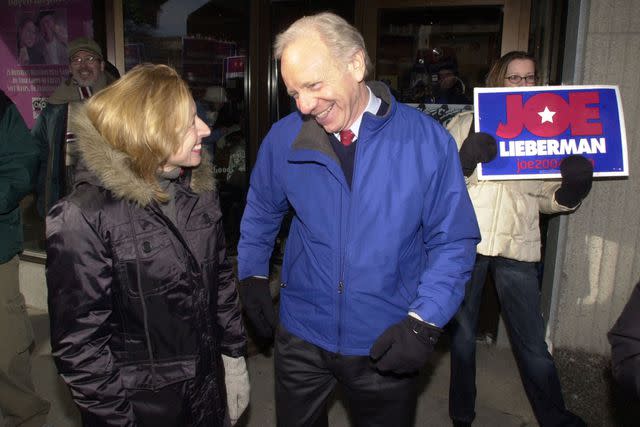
577,176
477,148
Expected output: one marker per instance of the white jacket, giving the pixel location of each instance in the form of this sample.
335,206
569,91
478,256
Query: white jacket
507,211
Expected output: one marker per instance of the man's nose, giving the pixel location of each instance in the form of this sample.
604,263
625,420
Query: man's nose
305,103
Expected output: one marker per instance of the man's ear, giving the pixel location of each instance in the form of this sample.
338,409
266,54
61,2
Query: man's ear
357,66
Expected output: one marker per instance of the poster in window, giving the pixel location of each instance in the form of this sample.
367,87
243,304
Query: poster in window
33,48
235,67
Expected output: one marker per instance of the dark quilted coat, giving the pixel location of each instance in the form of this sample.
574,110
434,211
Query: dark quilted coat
141,308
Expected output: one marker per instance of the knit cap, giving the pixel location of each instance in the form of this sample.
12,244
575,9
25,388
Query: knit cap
86,44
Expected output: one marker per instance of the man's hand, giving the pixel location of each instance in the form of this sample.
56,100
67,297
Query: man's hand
257,303
577,176
477,148
405,347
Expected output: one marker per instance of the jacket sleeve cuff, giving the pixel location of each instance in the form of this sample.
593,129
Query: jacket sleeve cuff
417,316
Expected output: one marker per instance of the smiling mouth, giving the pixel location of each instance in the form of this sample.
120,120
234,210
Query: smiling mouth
325,113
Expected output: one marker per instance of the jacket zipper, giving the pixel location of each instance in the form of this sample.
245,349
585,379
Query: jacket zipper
340,304
49,177
191,260
343,250
345,243
143,304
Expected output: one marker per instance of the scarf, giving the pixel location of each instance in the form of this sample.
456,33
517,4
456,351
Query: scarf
70,91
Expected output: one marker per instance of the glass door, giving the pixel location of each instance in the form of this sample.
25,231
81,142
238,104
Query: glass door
432,54
434,57
207,42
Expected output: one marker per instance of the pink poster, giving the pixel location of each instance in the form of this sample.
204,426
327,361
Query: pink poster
235,66
33,48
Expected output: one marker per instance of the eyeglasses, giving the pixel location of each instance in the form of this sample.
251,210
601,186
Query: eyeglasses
77,60
515,79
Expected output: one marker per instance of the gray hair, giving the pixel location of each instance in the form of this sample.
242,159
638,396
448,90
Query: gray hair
342,38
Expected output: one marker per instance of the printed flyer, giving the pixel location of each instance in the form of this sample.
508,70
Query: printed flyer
33,48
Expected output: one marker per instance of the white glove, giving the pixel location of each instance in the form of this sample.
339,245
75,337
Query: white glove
236,379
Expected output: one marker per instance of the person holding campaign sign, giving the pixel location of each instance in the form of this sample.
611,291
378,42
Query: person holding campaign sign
508,216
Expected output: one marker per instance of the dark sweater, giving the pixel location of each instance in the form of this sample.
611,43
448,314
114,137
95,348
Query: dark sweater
347,154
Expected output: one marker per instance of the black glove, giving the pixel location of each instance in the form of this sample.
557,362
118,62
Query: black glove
257,303
477,148
577,175
404,347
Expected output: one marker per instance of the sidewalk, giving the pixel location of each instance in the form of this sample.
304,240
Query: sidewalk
501,399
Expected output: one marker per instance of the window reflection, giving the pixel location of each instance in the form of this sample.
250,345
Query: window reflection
207,42
433,57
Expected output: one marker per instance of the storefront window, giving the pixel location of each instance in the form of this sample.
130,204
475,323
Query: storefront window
33,51
433,57
207,42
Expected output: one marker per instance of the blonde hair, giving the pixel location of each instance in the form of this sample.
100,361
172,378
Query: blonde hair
144,114
498,71
342,39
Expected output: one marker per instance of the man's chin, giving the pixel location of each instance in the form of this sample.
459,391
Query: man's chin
327,127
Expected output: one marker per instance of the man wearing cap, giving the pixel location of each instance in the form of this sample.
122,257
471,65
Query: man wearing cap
86,65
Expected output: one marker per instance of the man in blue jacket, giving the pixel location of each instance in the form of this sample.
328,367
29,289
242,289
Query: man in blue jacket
382,240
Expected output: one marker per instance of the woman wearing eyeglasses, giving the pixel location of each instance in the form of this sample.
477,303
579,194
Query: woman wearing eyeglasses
508,216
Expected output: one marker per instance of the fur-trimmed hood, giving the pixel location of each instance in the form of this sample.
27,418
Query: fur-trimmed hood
99,161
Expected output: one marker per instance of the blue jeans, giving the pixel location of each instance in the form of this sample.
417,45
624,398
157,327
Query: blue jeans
519,295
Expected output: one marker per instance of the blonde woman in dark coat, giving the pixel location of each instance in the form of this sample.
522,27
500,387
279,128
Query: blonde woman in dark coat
145,323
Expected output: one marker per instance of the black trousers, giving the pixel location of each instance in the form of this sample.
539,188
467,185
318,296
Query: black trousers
306,375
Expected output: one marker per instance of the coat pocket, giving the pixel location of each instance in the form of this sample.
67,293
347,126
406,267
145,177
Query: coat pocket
203,231
159,400
203,218
141,377
152,259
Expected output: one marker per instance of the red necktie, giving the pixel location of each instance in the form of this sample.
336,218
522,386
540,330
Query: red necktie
346,137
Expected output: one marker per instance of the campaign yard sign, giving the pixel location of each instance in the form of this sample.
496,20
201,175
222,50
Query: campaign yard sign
536,127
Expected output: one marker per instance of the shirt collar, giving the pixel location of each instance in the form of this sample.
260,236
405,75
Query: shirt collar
372,107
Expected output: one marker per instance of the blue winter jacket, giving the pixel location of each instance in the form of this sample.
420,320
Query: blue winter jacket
357,260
